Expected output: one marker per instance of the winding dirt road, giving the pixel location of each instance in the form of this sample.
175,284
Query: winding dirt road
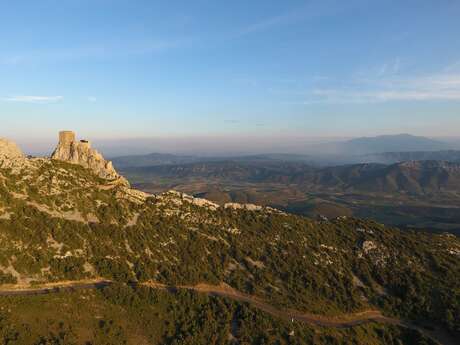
223,290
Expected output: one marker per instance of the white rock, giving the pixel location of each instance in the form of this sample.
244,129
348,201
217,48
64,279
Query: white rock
368,246
236,206
11,155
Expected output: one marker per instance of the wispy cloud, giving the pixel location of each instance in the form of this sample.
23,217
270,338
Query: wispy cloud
347,96
92,99
33,99
94,51
268,23
312,10
435,87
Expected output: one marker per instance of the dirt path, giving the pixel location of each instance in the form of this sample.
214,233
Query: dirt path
223,290
344,321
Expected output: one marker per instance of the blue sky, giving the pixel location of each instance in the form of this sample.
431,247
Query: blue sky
170,69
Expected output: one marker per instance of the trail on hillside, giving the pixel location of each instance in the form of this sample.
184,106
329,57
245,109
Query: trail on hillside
224,290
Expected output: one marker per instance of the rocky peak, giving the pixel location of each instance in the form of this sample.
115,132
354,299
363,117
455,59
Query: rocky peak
10,154
80,152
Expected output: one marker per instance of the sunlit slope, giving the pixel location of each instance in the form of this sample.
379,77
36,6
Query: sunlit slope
60,222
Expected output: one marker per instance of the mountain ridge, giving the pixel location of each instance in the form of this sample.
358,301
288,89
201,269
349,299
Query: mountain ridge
417,177
392,143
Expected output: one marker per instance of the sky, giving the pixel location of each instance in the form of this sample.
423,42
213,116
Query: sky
228,71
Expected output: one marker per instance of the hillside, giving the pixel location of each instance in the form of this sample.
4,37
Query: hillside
62,222
416,177
252,171
418,195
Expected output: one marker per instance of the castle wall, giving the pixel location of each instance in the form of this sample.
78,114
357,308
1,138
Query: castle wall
66,137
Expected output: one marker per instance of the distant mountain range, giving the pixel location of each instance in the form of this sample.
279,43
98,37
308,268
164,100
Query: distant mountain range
239,171
392,143
416,177
152,159
158,159
395,157
382,149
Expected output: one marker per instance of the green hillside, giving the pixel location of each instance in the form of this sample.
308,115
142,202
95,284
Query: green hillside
60,222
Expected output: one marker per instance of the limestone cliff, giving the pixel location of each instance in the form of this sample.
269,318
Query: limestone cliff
11,155
80,152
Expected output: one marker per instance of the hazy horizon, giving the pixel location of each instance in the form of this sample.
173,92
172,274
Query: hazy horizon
204,145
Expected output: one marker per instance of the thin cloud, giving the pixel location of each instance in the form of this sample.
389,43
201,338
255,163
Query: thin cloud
33,99
95,51
270,22
92,99
438,87
310,11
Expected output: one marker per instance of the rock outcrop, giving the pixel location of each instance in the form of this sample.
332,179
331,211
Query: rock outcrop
10,154
248,207
80,152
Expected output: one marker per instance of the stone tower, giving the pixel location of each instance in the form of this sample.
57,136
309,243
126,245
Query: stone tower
80,152
66,137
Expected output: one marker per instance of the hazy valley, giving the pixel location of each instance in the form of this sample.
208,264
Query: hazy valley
417,189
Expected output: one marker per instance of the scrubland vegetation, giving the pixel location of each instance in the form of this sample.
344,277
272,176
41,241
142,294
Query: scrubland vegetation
60,222
123,315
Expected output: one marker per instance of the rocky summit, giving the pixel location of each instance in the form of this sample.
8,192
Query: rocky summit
80,152
10,153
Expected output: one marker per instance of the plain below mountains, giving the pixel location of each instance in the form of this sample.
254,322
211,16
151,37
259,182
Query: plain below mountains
416,177
413,194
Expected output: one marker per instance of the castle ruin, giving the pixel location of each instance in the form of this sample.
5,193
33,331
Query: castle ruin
66,137
80,152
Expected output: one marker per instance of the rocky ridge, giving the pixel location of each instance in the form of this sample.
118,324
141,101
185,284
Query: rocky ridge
11,155
80,153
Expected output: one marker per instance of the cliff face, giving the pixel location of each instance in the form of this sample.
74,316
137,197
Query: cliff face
80,152
11,155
